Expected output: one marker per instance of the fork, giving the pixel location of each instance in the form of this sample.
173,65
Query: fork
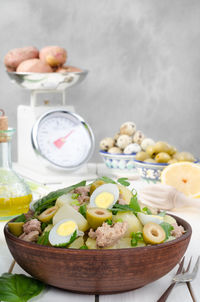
182,276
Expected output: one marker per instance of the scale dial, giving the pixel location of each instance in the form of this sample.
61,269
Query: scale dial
63,138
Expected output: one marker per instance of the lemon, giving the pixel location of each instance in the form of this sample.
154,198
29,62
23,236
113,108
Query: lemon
184,176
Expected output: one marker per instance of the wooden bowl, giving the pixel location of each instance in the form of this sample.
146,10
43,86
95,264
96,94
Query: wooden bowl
99,271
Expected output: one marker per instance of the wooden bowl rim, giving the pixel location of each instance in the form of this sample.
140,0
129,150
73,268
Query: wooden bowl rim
35,246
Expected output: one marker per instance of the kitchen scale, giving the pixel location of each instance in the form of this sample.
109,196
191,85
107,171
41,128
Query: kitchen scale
53,141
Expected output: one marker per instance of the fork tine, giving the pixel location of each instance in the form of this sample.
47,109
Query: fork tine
180,269
196,267
188,267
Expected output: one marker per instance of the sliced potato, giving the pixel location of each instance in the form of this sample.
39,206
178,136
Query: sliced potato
169,219
126,194
68,212
76,244
91,243
16,228
134,225
64,199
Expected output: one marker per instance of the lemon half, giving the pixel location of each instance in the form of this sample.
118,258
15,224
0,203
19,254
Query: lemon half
184,176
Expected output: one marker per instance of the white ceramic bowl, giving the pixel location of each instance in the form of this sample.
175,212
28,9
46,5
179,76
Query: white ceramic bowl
119,161
149,171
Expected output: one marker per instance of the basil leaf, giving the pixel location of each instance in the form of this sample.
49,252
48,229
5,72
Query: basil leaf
66,244
74,236
167,228
123,181
21,218
121,208
49,200
45,224
83,210
19,288
145,209
44,239
84,247
109,221
107,180
134,204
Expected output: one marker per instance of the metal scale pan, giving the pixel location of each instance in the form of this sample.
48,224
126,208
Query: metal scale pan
47,81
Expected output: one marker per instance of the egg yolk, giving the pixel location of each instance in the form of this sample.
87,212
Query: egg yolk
104,200
66,228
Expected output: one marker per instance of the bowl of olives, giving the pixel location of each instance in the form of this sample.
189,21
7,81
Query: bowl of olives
154,158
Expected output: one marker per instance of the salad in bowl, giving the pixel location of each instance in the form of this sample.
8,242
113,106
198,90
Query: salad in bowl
104,214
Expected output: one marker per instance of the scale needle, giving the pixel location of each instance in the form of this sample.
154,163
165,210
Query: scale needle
60,141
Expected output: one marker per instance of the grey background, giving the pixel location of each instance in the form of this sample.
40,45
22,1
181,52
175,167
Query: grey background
143,58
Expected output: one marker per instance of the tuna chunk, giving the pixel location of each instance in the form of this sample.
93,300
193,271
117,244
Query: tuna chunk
30,237
177,231
29,214
32,225
84,194
107,235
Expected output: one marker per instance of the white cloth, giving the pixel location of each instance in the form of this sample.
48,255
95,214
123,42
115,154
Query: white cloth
166,197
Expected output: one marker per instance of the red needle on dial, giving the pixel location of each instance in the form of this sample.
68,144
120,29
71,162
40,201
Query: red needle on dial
60,141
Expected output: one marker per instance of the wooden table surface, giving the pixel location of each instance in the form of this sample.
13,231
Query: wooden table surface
148,293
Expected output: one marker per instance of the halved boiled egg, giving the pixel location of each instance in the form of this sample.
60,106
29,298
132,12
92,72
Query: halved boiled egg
105,196
63,232
144,218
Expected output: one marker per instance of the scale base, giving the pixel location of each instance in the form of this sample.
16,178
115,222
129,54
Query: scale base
47,176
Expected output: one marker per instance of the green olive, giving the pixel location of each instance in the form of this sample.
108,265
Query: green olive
95,185
48,214
149,160
96,216
184,156
153,233
162,147
150,150
141,156
16,228
162,157
172,150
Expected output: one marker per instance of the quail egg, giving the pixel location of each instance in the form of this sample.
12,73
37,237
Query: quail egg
104,196
106,143
123,141
128,128
114,150
61,234
132,148
138,137
116,137
144,218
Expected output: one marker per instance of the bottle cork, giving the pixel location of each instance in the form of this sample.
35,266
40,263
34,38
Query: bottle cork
3,126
